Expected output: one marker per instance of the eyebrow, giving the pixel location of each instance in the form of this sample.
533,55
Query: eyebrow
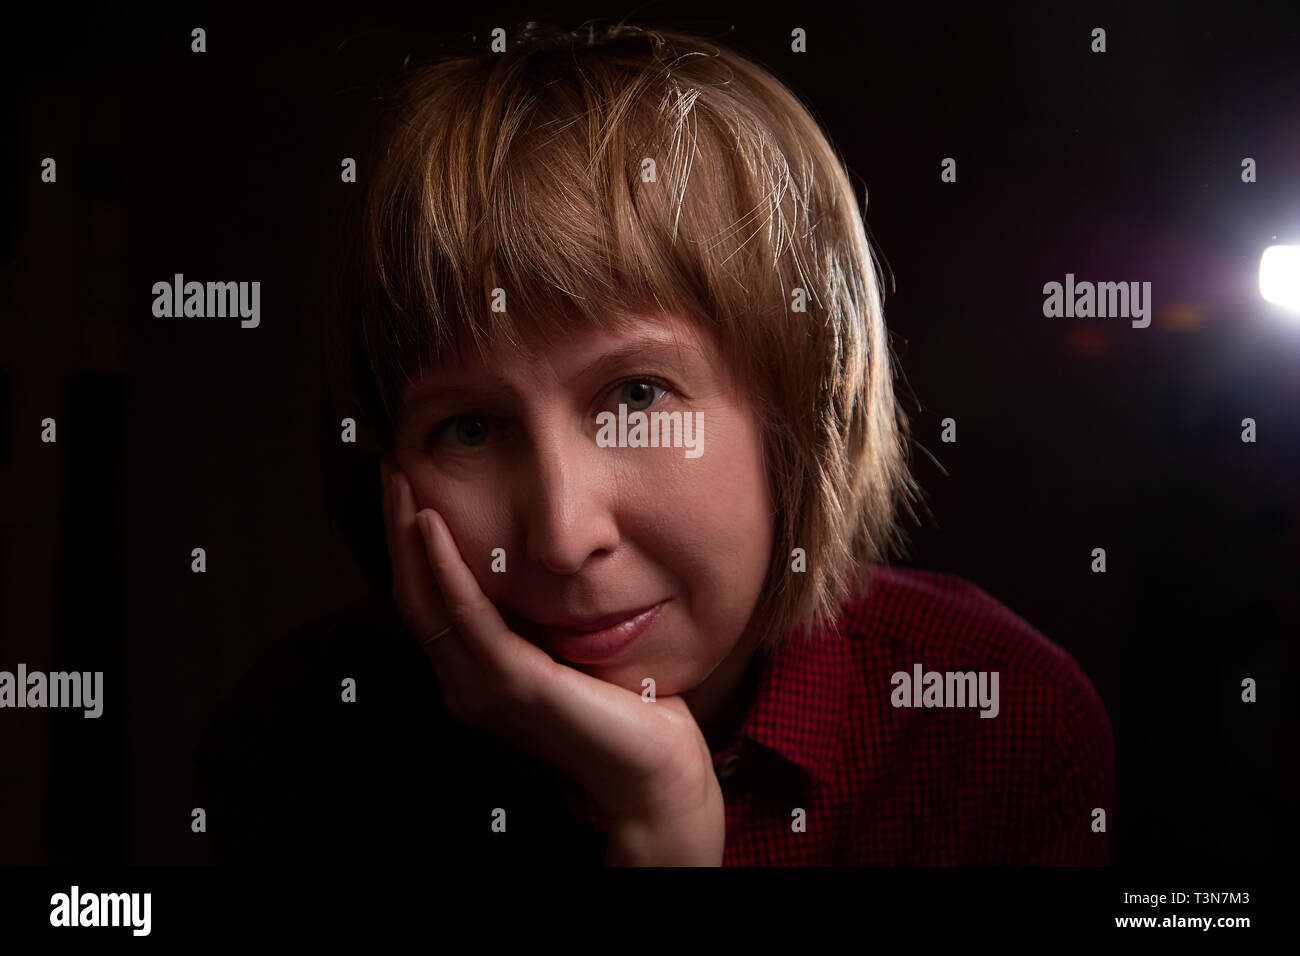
645,350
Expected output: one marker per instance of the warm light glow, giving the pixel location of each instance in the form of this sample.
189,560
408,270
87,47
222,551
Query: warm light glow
1279,276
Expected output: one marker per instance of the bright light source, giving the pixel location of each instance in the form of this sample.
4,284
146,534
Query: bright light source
1279,276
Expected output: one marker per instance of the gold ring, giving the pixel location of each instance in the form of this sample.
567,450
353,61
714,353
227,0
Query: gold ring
446,630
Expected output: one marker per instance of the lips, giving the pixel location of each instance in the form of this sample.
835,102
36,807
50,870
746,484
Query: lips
596,623
594,639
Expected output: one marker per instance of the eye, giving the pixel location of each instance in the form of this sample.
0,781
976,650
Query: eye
469,431
638,394
472,430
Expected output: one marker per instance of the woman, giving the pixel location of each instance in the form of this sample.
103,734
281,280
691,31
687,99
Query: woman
670,639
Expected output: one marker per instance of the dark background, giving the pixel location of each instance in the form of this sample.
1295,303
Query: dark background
1073,434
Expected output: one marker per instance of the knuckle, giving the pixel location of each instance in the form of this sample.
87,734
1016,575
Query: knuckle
463,612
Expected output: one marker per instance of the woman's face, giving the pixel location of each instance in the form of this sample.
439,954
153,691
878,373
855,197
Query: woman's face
510,453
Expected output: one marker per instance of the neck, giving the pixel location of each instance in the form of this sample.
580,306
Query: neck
719,703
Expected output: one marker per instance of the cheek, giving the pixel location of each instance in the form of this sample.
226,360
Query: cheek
713,529
720,504
476,523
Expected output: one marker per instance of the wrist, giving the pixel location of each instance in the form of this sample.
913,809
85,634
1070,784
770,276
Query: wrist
694,837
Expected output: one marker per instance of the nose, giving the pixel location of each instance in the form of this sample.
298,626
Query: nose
567,490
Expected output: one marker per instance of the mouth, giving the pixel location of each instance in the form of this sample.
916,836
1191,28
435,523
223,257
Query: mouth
595,639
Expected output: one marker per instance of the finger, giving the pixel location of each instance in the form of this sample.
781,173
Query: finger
570,720
475,618
411,577
482,656
415,590
521,666
518,670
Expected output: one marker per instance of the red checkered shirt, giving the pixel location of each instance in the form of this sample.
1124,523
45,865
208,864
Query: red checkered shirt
824,770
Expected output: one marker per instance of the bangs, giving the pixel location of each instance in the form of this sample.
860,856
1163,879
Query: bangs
524,193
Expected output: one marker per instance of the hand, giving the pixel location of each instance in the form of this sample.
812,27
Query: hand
646,763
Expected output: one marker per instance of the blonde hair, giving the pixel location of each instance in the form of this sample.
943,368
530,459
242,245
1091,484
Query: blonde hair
523,171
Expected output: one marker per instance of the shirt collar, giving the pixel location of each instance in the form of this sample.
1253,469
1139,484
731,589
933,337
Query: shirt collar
799,707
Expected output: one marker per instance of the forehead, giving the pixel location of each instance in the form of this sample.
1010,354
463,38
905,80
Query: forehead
565,356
